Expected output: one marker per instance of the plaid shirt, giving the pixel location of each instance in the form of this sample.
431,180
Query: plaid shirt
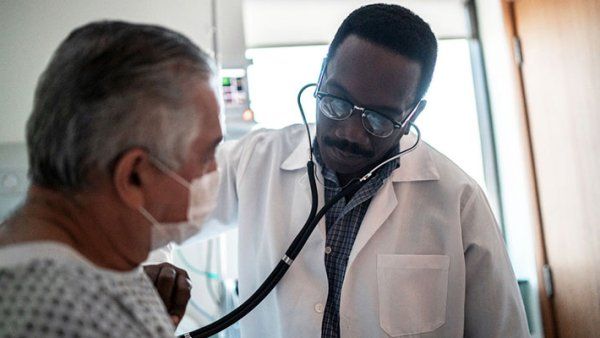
342,222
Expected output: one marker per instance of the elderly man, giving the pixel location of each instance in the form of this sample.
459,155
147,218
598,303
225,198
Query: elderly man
416,252
121,146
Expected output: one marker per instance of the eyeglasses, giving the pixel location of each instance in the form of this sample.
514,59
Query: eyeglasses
337,108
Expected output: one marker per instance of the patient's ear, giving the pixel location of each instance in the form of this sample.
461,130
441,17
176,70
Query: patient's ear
131,177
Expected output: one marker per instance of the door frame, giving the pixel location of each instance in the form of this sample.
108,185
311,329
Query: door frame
544,289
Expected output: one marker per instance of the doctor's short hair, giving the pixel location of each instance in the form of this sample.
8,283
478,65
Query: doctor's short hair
109,87
395,28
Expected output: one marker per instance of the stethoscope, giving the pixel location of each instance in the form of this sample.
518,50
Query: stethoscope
313,220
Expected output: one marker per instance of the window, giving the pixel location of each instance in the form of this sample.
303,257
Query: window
449,123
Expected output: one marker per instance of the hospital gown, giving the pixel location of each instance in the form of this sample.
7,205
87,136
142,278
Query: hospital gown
49,290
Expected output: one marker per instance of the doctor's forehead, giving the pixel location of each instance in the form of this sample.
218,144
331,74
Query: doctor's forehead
371,73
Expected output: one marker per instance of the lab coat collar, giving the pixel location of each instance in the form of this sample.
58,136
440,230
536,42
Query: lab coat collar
416,165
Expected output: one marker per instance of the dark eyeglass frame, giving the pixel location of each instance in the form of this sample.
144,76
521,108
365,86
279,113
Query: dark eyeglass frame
364,113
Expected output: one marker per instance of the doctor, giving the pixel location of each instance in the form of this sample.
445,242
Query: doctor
415,252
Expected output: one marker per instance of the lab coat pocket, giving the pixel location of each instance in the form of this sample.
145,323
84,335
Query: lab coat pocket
412,293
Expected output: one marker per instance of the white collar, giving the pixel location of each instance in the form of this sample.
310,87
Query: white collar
416,165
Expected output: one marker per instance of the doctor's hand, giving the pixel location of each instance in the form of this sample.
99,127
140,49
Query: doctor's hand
173,286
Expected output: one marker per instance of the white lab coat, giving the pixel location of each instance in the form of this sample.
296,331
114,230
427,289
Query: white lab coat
428,260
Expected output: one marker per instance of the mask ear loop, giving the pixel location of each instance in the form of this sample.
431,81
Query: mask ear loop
168,171
148,216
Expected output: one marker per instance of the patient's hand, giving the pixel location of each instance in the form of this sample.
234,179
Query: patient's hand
174,287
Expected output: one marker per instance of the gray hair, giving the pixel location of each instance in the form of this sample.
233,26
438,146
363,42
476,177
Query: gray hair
109,87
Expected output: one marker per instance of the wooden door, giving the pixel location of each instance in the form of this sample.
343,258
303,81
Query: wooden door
560,69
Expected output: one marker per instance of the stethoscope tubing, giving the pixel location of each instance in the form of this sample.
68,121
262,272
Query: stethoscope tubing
279,271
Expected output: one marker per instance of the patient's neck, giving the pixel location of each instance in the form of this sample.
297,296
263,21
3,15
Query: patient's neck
70,219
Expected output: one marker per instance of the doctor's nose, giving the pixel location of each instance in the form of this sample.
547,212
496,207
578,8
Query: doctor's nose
352,129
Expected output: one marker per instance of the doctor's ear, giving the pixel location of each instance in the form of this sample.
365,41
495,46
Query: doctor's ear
130,172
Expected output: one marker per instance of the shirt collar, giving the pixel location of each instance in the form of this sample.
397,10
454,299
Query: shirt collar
330,176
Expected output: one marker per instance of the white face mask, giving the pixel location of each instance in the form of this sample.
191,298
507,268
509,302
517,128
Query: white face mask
203,200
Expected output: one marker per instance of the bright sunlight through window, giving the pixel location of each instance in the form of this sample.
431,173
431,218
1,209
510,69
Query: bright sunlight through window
449,123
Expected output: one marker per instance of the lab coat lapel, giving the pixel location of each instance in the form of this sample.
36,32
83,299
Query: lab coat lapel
302,199
415,166
298,157
303,195
380,208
